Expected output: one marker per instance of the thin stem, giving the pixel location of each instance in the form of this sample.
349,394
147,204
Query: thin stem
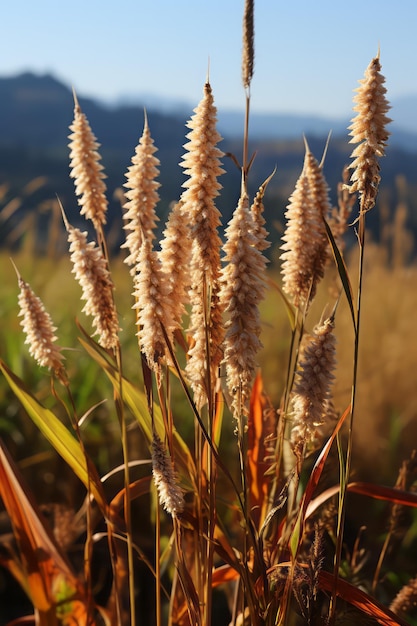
127,498
246,140
157,562
343,491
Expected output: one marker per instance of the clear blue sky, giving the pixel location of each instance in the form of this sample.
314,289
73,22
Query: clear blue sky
309,54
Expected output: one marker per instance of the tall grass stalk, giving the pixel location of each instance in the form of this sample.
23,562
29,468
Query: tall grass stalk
368,130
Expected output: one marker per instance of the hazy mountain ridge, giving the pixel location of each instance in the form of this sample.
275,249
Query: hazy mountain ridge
36,111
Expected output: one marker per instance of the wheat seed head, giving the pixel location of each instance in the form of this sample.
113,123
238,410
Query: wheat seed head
202,165
313,381
86,169
91,271
153,305
243,288
174,257
142,196
169,492
257,210
248,51
39,330
368,130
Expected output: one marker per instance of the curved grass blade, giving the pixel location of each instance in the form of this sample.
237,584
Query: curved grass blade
360,600
49,578
312,484
137,402
58,436
343,273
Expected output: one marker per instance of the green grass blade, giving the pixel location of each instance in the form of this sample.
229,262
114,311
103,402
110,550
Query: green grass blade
57,434
343,273
137,402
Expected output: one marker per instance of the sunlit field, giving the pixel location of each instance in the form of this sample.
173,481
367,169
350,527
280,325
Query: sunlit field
192,434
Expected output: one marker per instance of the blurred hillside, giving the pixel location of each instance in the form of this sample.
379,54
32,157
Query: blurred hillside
36,111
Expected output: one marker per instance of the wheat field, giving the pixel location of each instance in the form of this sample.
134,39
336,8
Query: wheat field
192,435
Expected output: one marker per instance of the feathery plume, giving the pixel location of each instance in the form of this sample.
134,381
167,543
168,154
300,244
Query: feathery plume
140,216
91,271
202,165
305,242
243,288
406,598
169,492
257,210
152,304
339,217
248,53
86,169
174,257
368,129
39,330
296,263
313,381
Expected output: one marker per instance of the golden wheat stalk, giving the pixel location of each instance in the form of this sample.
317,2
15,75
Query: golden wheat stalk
140,216
91,271
257,209
248,51
169,492
243,288
153,304
313,381
202,165
174,257
305,247
39,330
339,217
368,130
86,169
406,598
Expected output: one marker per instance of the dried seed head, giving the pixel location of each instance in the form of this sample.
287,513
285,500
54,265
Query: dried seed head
257,210
319,188
368,129
175,260
39,331
202,165
406,598
169,492
91,271
140,216
153,304
87,170
304,245
248,53
313,382
243,288
340,215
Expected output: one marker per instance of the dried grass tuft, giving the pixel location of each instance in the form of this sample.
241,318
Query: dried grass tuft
368,129
248,52
91,271
314,378
39,330
203,167
169,492
87,170
243,288
140,216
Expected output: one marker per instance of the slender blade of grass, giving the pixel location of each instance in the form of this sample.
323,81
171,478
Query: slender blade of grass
58,436
343,273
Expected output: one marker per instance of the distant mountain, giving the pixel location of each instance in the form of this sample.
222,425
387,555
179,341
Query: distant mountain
281,125
404,113
36,112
